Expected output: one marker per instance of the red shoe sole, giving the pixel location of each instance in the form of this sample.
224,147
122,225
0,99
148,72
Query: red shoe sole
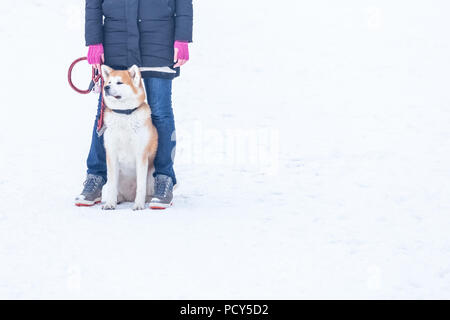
156,207
86,205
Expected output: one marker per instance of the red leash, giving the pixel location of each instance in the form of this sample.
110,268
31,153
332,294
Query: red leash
96,77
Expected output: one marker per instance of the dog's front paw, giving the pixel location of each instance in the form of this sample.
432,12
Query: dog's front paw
138,206
109,206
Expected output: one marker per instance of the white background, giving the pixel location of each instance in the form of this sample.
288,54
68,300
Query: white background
313,158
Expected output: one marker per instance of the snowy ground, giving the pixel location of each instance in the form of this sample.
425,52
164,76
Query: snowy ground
314,158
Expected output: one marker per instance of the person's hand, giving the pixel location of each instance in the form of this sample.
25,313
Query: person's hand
99,65
181,55
96,56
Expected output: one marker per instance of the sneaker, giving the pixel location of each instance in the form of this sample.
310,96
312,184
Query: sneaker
163,196
92,191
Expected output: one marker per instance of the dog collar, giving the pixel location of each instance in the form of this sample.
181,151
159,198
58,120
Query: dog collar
126,111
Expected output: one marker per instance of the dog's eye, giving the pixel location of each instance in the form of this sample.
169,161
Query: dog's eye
119,82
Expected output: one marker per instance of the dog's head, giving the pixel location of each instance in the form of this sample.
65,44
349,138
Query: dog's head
123,89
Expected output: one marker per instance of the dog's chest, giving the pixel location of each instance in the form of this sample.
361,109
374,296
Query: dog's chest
126,135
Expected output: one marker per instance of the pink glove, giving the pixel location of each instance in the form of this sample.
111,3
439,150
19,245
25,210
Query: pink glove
95,54
181,53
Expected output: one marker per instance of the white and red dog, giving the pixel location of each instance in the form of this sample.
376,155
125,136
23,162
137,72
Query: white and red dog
130,138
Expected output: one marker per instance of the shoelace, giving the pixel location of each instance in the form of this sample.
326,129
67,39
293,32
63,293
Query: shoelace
90,185
162,187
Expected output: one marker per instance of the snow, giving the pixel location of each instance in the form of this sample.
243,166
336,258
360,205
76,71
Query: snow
313,158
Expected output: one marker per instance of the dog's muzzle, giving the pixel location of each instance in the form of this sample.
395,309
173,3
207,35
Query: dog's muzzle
109,94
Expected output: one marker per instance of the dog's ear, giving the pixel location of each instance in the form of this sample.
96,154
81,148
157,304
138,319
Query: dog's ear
135,75
106,71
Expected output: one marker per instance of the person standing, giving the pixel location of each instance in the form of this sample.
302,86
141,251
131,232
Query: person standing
155,36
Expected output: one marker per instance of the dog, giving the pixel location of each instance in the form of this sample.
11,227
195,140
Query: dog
130,139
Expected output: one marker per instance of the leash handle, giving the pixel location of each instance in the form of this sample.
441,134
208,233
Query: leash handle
95,77
96,82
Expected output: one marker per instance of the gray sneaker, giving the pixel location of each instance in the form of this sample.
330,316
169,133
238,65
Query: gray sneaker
92,191
163,196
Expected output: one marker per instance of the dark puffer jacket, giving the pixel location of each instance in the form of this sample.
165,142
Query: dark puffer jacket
140,32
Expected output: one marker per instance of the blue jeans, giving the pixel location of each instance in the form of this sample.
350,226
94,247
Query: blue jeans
159,96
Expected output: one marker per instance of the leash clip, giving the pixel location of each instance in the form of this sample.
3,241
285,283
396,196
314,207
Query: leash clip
101,131
91,86
96,86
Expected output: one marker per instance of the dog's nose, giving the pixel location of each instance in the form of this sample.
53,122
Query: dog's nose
107,88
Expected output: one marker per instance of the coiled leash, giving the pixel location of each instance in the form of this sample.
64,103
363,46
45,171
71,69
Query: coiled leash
95,86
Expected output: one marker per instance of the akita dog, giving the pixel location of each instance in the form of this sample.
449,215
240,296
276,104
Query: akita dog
131,140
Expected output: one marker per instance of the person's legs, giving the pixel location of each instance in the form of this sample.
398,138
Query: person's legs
96,161
159,96
96,173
